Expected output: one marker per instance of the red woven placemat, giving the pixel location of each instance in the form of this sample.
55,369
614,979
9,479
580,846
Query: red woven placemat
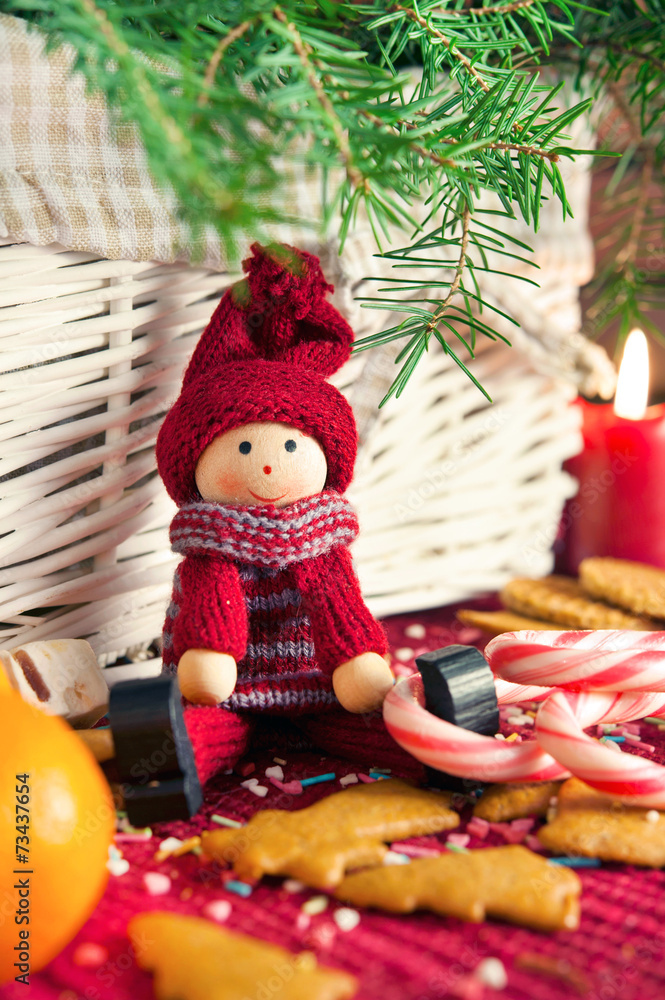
617,954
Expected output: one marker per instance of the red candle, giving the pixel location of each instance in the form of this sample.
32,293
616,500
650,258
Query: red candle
619,510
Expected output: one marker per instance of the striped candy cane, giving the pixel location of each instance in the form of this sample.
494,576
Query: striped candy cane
462,752
603,660
559,730
561,746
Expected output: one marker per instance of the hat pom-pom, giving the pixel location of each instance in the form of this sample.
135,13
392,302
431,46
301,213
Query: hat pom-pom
290,280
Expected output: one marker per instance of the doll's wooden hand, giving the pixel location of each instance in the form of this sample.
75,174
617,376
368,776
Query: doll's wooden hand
206,677
362,683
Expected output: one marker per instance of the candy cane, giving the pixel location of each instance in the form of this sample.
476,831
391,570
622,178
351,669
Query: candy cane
553,755
462,752
559,729
603,660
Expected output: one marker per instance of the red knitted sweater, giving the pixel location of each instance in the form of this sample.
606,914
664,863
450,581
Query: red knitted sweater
276,589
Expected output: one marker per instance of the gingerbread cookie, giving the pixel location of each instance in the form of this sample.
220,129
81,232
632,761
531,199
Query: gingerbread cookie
594,825
562,600
498,622
631,585
345,830
502,803
194,959
511,883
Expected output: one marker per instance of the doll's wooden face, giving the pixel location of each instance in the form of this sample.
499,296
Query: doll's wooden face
261,463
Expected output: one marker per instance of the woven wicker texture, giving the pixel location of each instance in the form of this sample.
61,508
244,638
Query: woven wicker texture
618,953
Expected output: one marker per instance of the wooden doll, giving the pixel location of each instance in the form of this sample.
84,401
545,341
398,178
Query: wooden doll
267,614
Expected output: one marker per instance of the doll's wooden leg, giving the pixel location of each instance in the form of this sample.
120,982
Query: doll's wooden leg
362,739
219,738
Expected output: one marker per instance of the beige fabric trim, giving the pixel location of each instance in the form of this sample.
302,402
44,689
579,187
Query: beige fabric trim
68,176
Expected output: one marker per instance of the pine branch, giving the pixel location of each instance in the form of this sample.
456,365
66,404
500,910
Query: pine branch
223,44
322,81
305,55
509,8
437,316
434,33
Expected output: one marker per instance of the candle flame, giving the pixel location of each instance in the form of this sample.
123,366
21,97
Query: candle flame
632,393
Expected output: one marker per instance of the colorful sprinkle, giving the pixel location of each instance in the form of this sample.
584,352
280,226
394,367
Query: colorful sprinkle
256,789
576,862
118,866
317,779
275,772
492,972
128,838
278,760
170,844
525,824
293,885
290,787
90,955
457,848
187,846
614,739
642,746
404,654
415,631
156,883
225,821
349,779
315,905
174,848
346,918
302,921
218,909
459,839
416,850
246,769
365,778
396,858
239,888
653,816
478,827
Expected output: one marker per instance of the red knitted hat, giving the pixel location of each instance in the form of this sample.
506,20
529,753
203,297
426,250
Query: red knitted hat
264,356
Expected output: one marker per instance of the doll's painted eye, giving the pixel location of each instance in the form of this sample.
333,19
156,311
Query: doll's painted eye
290,445
244,447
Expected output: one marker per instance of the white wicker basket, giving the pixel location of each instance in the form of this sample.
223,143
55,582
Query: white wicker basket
454,495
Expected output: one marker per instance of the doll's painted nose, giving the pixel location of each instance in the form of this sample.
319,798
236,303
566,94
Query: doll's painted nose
267,470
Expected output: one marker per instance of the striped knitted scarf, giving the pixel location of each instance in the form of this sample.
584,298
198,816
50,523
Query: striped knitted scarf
267,536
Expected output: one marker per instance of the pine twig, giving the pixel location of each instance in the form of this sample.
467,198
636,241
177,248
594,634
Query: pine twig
459,271
442,161
527,150
304,53
215,59
435,33
509,8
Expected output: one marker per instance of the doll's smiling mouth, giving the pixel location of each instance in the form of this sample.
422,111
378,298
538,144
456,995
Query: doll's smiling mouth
268,499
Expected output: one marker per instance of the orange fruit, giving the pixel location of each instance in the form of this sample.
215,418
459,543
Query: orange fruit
4,681
71,820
